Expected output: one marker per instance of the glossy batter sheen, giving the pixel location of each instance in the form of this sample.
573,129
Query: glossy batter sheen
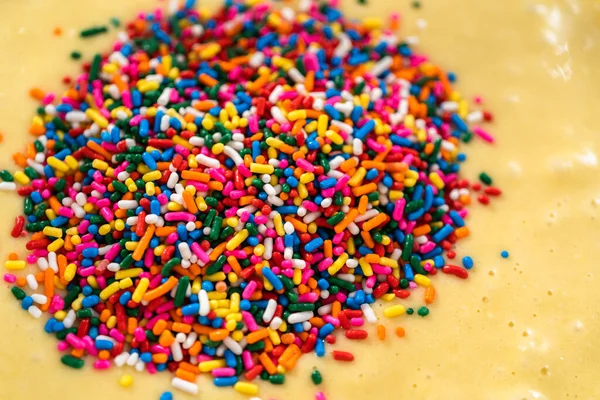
525,327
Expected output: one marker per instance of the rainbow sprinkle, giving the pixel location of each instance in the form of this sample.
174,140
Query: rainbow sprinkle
219,194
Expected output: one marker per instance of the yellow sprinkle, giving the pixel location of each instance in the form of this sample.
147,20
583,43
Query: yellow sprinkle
71,162
99,164
95,116
109,290
146,86
140,290
119,224
60,315
207,366
278,225
237,240
274,336
12,265
125,283
104,229
56,245
261,168
152,176
230,325
334,137
51,231
126,380
21,178
388,297
322,124
422,280
70,272
394,311
58,164
128,273
112,322
388,262
219,276
436,180
209,51
338,264
296,115
365,266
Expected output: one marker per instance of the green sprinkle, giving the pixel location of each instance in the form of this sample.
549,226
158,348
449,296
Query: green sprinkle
410,311
485,178
93,31
182,287
95,67
116,22
6,176
278,379
316,377
18,293
75,55
423,311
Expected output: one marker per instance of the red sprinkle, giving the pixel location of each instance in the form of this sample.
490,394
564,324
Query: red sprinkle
356,334
456,271
342,356
18,228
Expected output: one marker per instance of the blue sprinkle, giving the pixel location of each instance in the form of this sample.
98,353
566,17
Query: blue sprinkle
467,262
166,396
272,278
504,254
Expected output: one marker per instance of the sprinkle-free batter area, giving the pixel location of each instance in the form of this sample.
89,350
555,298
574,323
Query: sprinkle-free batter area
521,327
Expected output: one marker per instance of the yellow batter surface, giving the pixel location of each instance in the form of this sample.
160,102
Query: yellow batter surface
525,327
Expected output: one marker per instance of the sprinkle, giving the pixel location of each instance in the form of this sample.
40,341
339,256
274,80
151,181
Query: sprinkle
485,178
342,356
468,262
75,55
316,377
126,380
166,396
504,254
93,31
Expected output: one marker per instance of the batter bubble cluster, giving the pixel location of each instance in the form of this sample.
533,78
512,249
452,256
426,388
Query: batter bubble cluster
219,194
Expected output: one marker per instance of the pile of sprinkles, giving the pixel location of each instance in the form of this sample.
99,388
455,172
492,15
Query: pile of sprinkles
219,194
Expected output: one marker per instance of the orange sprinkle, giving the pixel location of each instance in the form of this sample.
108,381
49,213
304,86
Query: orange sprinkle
400,332
381,333
429,295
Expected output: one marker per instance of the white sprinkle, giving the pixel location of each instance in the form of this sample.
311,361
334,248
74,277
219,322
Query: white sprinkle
176,351
34,311
269,310
324,310
208,161
52,261
133,359
204,303
39,298
69,320
302,316
368,313
32,282
8,186
124,204
296,76
268,243
382,65
121,359
233,345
